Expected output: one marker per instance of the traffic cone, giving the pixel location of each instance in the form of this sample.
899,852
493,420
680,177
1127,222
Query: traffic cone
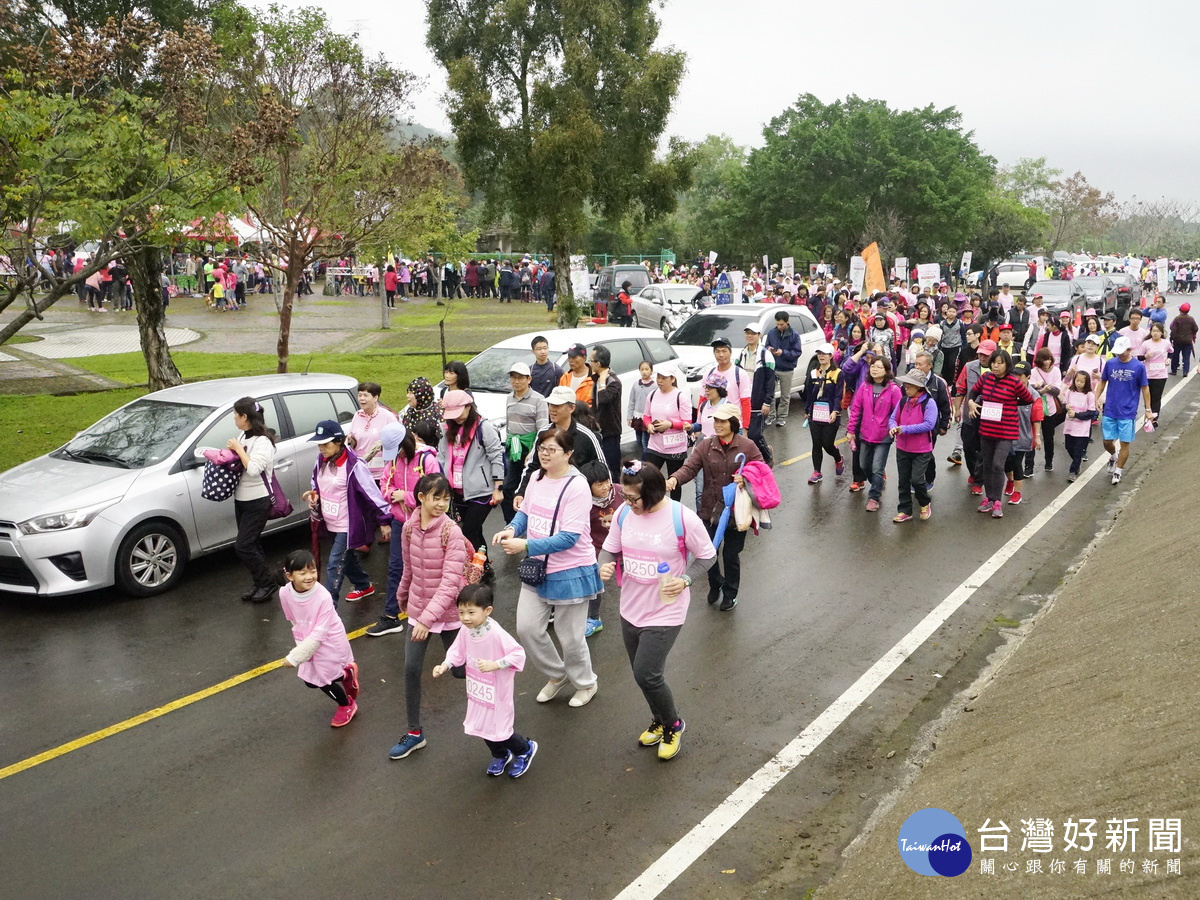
1078,318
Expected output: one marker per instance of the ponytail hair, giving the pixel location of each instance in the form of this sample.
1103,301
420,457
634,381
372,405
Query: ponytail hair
252,410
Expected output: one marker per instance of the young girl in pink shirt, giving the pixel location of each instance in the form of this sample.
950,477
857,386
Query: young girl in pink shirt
1080,402
492,660
322,656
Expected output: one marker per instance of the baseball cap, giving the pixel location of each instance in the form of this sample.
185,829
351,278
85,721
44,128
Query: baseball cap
1065,314
721,342
1022,367
986,348
454,403
669,369
1110,315
577,350
561,395
1121,345
726,411
753,326
392,436
519,368
327,431
1006,326
1092,339
824,348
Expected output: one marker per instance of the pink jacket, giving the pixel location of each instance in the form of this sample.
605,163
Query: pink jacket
869,414
434,560
403,476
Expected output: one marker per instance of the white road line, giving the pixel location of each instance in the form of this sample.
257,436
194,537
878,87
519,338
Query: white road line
675,861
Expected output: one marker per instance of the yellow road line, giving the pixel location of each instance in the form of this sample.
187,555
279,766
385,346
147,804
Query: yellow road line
151,714
796,459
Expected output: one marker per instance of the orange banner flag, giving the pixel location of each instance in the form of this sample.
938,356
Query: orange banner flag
874,278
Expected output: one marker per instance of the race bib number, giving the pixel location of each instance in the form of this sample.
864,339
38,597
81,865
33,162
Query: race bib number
821,412
991,411
644,570
538,526
481,688
330,508
674,441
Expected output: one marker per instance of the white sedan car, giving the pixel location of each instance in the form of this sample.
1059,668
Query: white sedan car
665,306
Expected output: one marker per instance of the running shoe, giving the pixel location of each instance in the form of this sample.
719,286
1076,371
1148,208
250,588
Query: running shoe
985,506
1049,467
728,603
977,490
872,506
1112,464
499,764
1008,487
970,480
520,764
997,510
955,458
1029,472
385,625
815,478
856,486
350,680
1014,498
343,715
408,744
1116,478
1071,476
926,512
594,626
358,595
902,517
668,747
839,467
651,735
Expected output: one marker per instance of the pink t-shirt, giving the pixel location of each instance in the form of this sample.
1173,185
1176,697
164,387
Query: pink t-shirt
645,541
331,485
1137,337
1079,402
312,616
674,408
574,514
490,710
1157,354
366,430
1083,363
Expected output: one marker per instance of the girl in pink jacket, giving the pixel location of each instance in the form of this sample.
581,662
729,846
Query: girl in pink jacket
436,557
876,398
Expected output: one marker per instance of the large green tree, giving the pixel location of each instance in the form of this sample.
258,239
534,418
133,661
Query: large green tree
827,172
558,105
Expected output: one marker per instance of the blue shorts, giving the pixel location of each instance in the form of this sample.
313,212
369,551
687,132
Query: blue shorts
1117,429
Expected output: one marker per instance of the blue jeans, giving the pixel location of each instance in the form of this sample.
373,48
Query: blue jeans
1184,351
391,605
344,563
873,459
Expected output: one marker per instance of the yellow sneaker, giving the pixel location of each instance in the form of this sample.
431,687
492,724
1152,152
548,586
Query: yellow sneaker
668,747
651,735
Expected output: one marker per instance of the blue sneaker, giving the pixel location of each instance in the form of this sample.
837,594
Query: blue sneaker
499,764
593,626
520,764
407,745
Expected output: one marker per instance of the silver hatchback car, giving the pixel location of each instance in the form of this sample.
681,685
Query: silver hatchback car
120,503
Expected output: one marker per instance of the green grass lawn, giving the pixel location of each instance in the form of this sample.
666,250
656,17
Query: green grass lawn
23,339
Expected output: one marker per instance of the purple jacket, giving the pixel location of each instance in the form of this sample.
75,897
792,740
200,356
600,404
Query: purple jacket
917,417
365,506
869,415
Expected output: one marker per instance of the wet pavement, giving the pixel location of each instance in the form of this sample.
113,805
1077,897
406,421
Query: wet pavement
249,792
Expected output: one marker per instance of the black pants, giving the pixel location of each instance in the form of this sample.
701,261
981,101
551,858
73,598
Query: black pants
950,364
1076,446
648,649
335,690
414,665
471,516
823,434
251,517
755,433
513,470
516,745
1156,392
993,453
731,547
668,465
1018,462
611,447
969,432
1049,426
910,478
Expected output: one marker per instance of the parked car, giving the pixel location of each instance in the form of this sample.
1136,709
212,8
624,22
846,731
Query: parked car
1013,273
1101,293
1129,293
120,502
628,346
1059,295
693,339
665,306
608,285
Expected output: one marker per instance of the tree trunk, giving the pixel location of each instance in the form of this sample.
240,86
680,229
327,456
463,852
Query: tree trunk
291,281
566,305
144,266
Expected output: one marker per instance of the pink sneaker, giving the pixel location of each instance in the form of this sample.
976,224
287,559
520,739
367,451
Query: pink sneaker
350,681
985,506
343,715
872,506
840,466
997,510
815,478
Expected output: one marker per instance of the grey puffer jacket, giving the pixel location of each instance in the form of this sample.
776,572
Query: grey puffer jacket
484,465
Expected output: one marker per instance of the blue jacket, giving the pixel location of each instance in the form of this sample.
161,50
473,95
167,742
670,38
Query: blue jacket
789,343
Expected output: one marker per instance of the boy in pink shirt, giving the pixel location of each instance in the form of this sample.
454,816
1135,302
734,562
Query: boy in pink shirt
492,659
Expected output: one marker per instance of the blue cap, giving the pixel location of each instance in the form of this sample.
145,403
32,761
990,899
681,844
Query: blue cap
327,431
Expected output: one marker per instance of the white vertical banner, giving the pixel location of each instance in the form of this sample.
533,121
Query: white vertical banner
928,274
858,272
712,257
737,279
1164,276
1039,267
766,266
902,268
789,266
966,263
581,285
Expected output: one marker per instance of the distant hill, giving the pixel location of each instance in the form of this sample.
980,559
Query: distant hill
408,131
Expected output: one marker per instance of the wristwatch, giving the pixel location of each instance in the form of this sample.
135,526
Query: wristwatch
687,579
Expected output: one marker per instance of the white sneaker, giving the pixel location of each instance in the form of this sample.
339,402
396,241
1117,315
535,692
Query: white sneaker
583,697
1116,479
551,690
1112,465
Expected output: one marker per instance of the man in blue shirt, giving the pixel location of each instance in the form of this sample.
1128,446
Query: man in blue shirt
1122,380
784,345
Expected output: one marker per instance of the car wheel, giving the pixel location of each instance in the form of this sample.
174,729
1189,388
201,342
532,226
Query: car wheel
633,320
151,559
666,329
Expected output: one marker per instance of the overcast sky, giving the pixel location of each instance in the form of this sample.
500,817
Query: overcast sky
1104,87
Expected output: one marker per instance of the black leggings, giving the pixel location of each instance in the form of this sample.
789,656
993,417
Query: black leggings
471,516
1049,426
335,690
1156,392
251,517
823,436
668,465
414,663
516,745
1077,446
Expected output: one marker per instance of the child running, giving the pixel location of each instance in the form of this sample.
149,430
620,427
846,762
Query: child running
492,659
605,500
1080,402
436,555
322,656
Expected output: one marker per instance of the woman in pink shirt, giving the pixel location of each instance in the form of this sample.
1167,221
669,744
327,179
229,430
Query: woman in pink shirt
365,435
648,533
668,419
1156,350
555,522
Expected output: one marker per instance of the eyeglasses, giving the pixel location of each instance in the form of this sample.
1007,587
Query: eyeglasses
549,448
631,500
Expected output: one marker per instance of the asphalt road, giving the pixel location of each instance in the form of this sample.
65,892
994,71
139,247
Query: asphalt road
248,792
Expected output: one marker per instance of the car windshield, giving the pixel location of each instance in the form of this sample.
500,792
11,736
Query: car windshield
1053,287
138,435
489,370
683,293
701,330
1090,284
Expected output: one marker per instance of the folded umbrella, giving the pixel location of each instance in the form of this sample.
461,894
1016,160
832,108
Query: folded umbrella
728,493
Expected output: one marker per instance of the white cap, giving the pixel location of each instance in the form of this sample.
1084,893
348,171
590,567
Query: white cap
753,325
519,368
1121,345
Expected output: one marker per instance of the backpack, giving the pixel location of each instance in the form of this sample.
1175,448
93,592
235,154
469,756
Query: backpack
408,527
676,520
